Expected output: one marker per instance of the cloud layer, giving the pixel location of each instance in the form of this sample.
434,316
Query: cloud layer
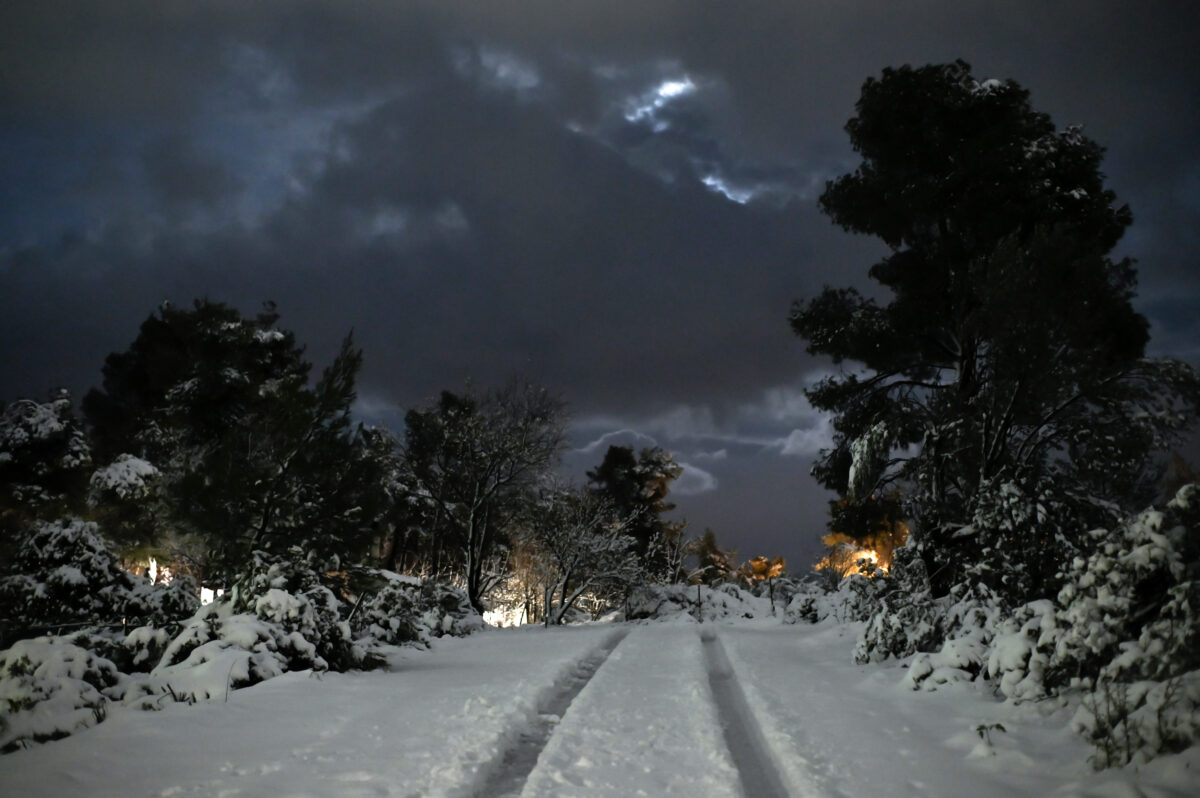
614,198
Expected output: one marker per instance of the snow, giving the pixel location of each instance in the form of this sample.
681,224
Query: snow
644,725
843,729
127,476
439,722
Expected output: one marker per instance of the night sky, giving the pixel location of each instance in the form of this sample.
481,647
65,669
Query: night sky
615,199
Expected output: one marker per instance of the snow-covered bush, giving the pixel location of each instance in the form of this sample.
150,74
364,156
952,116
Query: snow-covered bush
1021,649
1137,721
1003,520
289,594
170,603
50,688
141,649
851,599
63,575
1132,616
398,609
905,618
220,650
968,626
1124,634
1136,580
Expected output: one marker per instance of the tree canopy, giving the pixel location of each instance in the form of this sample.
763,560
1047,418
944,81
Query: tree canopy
637,486
1003,384
471,466
249,456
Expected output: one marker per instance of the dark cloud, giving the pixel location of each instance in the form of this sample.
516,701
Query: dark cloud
615,198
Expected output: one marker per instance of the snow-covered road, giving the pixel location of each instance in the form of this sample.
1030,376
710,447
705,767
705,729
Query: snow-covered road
665,709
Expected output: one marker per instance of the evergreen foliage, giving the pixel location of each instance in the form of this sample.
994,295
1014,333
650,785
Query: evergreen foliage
45,459
715,564
637,486
1008,361
248,456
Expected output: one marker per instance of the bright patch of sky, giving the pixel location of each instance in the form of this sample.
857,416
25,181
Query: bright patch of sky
375,410
739,195
404,226
646,107
693,481
618,437
386,221
781,420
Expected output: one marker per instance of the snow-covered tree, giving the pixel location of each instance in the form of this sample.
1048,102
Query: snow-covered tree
581,545
471,465
44,459
1009,358
217,411
64,576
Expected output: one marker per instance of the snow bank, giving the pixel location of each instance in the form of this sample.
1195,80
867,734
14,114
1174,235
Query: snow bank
427,726
838,728
725,602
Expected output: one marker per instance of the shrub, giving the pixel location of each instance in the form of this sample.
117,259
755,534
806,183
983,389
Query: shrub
50,688
904,617
396,610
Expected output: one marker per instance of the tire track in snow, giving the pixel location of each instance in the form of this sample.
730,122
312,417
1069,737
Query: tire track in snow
508,772
759,776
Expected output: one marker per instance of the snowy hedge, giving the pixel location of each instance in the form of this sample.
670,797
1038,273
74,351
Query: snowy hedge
1122,633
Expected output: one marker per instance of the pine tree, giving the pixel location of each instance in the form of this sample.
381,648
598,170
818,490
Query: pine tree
1007,368
250,456
638,486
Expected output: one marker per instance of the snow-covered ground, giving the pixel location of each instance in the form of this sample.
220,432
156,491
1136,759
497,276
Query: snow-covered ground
645,710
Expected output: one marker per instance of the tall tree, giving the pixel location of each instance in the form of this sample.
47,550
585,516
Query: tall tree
637,486
250,456
471,465
1003,386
